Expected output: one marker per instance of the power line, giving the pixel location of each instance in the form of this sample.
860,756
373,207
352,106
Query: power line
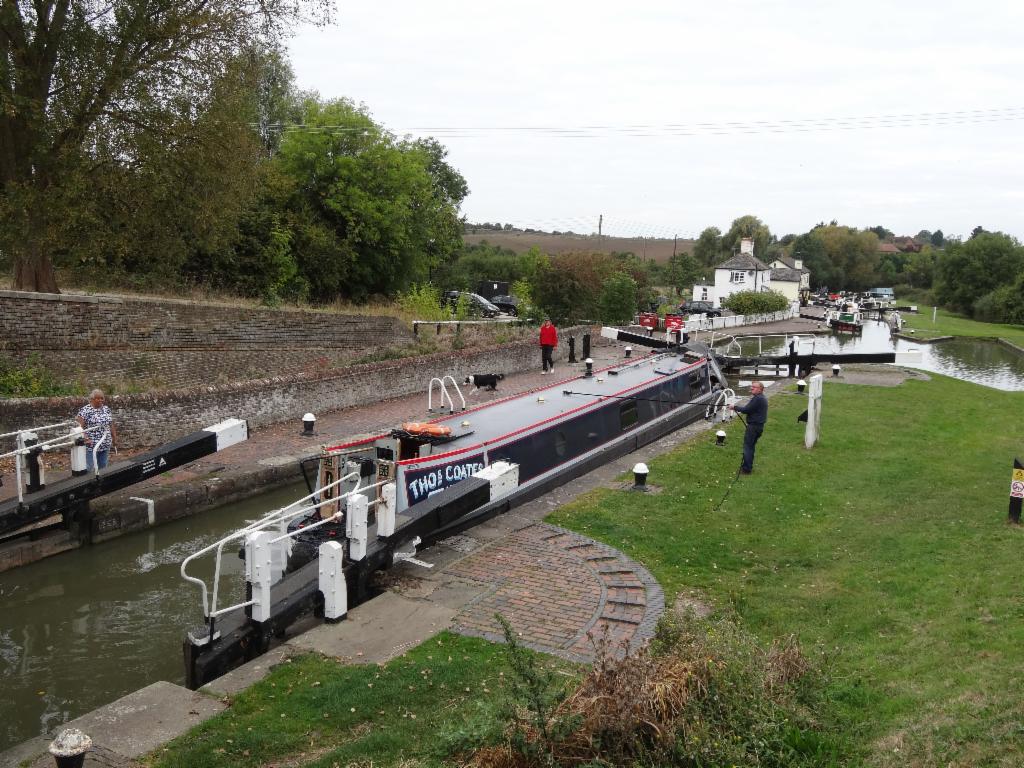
722,128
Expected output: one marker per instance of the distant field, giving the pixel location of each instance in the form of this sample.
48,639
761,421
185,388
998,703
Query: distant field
658,250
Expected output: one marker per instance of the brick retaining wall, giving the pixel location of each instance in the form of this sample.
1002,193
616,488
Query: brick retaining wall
146,420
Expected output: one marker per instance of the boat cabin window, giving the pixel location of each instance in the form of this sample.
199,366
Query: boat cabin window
628,415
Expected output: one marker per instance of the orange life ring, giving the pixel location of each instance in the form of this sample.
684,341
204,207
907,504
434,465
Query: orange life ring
422,428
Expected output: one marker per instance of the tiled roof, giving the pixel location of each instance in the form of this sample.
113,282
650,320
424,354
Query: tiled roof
786,275
887,248
744,261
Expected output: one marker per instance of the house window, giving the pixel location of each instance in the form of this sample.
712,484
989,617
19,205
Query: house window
738,277
704,293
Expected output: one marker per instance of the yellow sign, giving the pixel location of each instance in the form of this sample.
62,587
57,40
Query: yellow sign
1018,474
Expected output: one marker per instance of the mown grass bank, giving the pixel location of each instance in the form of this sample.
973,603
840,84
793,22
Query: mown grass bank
886,548
948,324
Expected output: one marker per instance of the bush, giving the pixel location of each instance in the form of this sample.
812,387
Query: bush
617,303
705,693
756,302
30,379
423,302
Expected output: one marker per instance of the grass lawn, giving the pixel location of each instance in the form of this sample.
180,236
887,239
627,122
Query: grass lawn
444,695
948,324
885,549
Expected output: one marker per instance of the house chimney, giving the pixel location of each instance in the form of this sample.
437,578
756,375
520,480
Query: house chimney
747,245
798,263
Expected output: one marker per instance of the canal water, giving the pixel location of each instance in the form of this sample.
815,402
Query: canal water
84,628
976,360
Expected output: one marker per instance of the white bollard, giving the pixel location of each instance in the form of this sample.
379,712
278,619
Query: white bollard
78,449
332,580
386,510
356,513
258,572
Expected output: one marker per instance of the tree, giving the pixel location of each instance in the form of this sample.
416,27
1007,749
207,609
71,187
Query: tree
371,214
708,246
967,271
618,301
752,227
938,239
683,271
811,251
924,236
81,81
883,234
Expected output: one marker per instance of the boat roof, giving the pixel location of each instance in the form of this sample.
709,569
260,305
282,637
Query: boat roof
523,412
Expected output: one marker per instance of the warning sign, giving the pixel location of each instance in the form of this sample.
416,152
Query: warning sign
1018,475
1017,489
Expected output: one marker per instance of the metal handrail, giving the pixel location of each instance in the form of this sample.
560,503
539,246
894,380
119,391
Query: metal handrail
37,429
274,517
444,394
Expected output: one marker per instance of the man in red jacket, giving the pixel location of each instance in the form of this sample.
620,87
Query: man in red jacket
548,341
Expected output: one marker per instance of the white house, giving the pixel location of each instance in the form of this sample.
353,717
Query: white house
743,272
790,278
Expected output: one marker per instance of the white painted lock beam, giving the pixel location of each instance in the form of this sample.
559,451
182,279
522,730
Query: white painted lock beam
356,513
332,580
259,572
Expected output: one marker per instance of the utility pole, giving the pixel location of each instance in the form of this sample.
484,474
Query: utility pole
600,223
675,242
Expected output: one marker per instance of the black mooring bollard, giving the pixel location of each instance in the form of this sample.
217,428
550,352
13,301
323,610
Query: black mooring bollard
1016,491
572,349
69,748
586,345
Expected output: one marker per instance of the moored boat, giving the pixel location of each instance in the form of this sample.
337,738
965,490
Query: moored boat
376,499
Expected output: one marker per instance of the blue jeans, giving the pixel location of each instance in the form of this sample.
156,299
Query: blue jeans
101,458
750,438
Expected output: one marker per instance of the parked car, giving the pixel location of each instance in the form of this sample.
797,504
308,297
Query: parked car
478,305
507,304
699,308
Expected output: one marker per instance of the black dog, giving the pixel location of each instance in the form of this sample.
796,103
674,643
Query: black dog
489,380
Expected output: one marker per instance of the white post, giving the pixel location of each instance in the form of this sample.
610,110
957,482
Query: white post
813,411
935,311
356,512
386,510
258,572
78,449
332,580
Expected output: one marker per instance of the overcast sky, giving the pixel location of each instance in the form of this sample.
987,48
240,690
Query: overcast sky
669,117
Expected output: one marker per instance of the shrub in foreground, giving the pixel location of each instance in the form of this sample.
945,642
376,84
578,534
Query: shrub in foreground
705,693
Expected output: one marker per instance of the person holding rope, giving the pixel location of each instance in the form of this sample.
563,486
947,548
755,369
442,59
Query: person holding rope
100,431
756,411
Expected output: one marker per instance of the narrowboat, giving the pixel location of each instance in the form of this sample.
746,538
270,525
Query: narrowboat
372,501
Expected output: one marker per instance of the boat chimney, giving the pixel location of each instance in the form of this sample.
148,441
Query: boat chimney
640,473
629,351
720,437
308,422
590,367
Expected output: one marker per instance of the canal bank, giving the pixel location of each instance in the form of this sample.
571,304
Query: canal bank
514,564
270,457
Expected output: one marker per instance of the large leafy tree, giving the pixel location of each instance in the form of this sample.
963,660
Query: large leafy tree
754,228
81,82
371,214
708,246
969,270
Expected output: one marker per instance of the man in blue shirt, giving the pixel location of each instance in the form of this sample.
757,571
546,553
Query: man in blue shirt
756,411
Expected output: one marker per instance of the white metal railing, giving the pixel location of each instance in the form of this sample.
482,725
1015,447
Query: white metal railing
278,518
444,394
42,446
